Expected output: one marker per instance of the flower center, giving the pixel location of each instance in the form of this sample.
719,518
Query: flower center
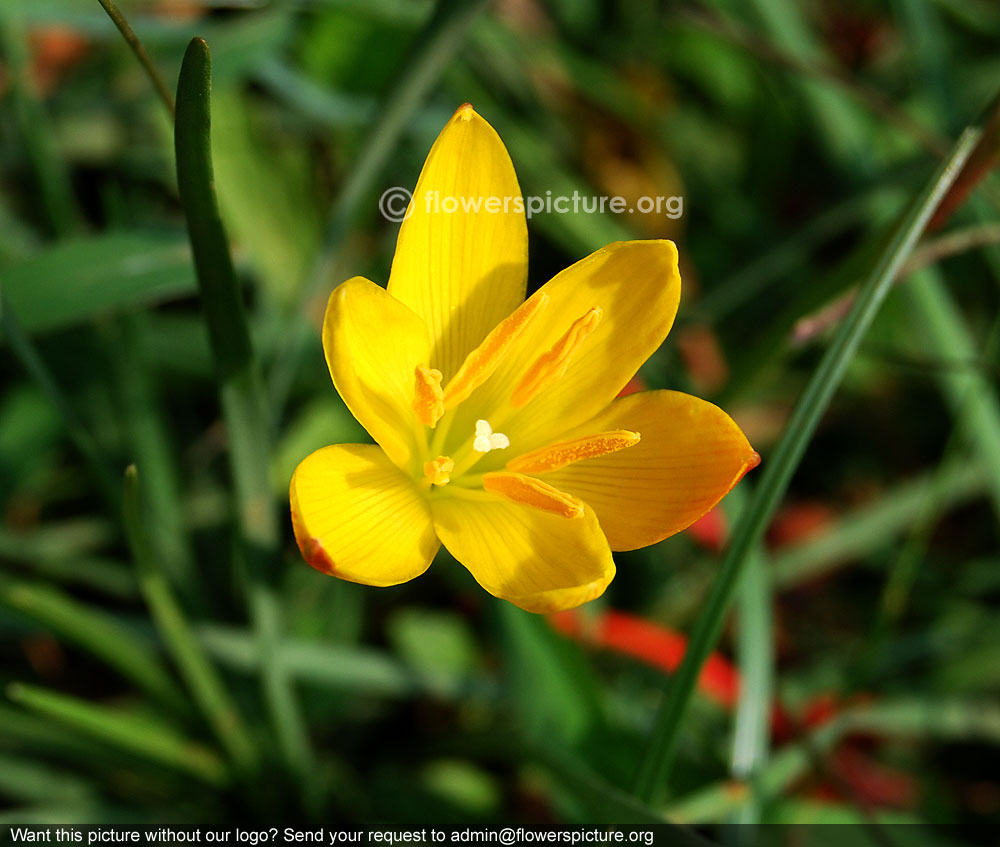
433,404
438,471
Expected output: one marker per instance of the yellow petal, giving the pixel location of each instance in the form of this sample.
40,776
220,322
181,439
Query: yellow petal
373,344
636,287
691,454
358,517
462,271
536,560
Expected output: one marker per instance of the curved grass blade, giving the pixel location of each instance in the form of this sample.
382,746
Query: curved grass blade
780,466
141,735
97,633
140,52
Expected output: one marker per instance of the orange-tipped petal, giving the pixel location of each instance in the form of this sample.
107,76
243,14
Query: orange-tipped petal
691,455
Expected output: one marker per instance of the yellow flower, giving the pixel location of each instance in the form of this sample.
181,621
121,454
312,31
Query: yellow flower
497,426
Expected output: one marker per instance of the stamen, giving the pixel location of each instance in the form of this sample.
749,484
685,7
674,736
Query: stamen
551,365
439,471
480,364
427,395
486,439
563,453
527,491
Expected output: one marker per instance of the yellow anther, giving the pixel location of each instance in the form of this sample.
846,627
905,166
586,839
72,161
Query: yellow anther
552,364
480,364
427,395
527,491
563,453
439,471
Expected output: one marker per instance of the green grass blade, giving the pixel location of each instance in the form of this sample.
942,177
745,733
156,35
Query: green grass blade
30,733
133,41
97,633
602,800
944,719
755,655
242,400
338,666
200,675
30,780
780,466
225,316
139,735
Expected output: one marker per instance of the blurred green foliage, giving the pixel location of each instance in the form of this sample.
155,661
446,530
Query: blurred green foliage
130,620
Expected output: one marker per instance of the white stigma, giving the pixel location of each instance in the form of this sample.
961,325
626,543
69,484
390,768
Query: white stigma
487,439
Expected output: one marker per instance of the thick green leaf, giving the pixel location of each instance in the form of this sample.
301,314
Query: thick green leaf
242,399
